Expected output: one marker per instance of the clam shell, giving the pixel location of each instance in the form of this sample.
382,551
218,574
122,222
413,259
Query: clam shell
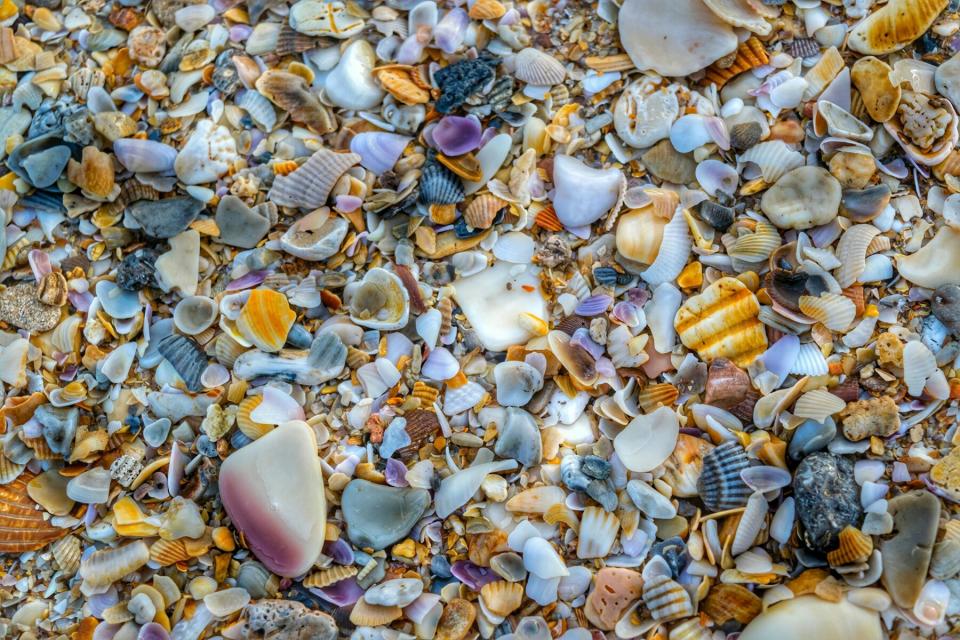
835,311
399,82
266,319
351,83
756,246
22,526
818,404
648,440
750,55
598,531
871,77
195,314
378,150
751,522
106,566
309,186
726,602
852,252
936,263
739,13
666,599
809,361
247,425
894,26
773,159
9,471
502,598
536,67
186,357
722,322
439,185
227,350
536,500
639,235
259,108
720,485
853,547
945,563
381,301
364,614
840,122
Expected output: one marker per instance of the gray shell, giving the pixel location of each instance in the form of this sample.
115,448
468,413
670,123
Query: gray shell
720,485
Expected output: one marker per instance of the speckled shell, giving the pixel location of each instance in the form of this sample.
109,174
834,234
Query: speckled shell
750,54
720,485
266,319
23,526
502,598
894,25
853,547
722,322
666,599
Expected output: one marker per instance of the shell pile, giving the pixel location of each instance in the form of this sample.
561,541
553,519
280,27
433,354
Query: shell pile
458,319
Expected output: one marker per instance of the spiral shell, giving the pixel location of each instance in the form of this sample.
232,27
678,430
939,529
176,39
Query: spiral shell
720,485
327,577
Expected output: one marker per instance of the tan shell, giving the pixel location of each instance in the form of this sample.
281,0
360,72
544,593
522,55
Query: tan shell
727,602
614,590
327,577
871,77
246,424
291,93
398,81
894,25
749,55
502,598
722,322
833,310
482,210
818,404
823,73
853,547
937,150
167,552
739,13
94,173
639,234
365,614
656,395
66,552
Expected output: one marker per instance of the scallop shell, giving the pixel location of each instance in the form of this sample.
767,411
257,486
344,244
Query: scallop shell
439,185
486,10
657,395
23,527
380,302
666,599
691,629
750,55
186,357
502,598
399,82
919,364
310,185
756,246
822,74
751,522
739,13
639,235
726,602
247,425
536,67
809,361
818,404
871,77
853,547
365,614
683,468
945,563
833,310
102,568
598,531
773,158
266,319
67,552
227,350
722,322
894,26
483,210
720,485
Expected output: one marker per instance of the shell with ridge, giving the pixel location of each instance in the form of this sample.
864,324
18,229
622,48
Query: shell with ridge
502,598
871,77
22,526
666,599
853,547
538,68
598,531
720,485
894,26
266,319
290,93
106,566
722,322
749,55
310,185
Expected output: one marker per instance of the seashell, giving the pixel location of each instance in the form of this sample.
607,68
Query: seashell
740,13
835,311
927,267
853,547
259,108
195,314
67,552
804,197
309,186
726,602
328,18
871,77
648,440
773,158
399,82
720,485
372,615
266,319
919,364
584,194
351,83
722,322
208,154
656,395
144,156
380,302
439,185
840,122
650,501
639,235
186,357
820,75
502,598
598,531
756,246
483,210
457,135
751,522
290,93
378,150
644,112
818,404
715,176
536,500
94,173
666,599
227,350
894,26
652,33
716,215
538,68
102,568
864,205
925,127
750,54
673,252
315,236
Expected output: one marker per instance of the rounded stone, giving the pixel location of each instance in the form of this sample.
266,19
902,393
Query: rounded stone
378,515
827,498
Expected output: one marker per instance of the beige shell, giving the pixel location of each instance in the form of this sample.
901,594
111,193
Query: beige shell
818,404
291,93
913,118
167,552
823,73
726,602
653,396
802,198
94,173
538,68
327,577
871,77
756,245
639,234
365,614
483,210
936,263
853,547
67,552
487,10
894,25
310,185
598,531
852,252
106,566
536,499
739,13
666,599
502,598
833,310
722,322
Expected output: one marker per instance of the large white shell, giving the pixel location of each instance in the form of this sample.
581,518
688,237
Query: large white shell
809,617
351,85
584,194
598,531
773,158
936,263
648,440
458,488
644,112
207,155
542,560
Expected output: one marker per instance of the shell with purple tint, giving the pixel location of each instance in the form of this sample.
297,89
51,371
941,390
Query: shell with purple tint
456,135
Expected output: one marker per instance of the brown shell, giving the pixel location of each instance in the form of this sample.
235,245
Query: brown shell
727,602
422,426
20,408
727,384
502,598
22,525
290,42
167,552
749,55
483,210
94,173
853,547
465,165
871,77
291,93
894,26
456,620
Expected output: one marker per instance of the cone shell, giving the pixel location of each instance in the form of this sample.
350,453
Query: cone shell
483,210
666,599
833,310
726,602
538,68
106,566
639,235
598,530
818,405
823,73
722,322
720,485
246,424
486,10
310,185
266,319
327,577
399,82
894,26
871,77
853,547
502,598
750,55
373,615
67,552
22,525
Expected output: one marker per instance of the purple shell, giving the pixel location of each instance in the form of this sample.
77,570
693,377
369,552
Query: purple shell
638,295
472,575
102,601
456,135
780,357
153,631
450,31
627,313
342,594
247,280
340,551
593,305
378,150
396,473
581,338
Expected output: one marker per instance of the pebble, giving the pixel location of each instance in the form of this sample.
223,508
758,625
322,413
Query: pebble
165,218
378,516
827,498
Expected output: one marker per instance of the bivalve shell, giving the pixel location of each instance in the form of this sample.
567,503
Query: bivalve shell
266,319
722,322
502,598
536,67
666,599
871,77
380,301
720,485
598,531
894,26
853,547
835,311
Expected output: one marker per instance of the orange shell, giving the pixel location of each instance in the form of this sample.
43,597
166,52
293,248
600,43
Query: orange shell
749,55
722,322
246,424
22,525
727,602
20,409
486,10
167,552
483,210
266,319
656,395
427,394
547,218
501,597
853,547
365,614
398,83
94,173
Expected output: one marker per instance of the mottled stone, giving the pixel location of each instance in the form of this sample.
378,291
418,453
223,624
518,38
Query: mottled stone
378,515
137,270
165,218
906,556
828,498
285,620
614,590
460,80
20,307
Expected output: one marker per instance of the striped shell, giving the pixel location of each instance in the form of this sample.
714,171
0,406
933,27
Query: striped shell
439,185
327,577
168,552
483,210
818,404
266,319
9,470
823,73
722,322
727,602
690,630
104,567
751,522
547,218
538,68
894,26
919,364
853,547
773,158
809,361
227,350
486,10
750,54
502,598
666,599
598,531
720,485
852,252
657,395
401,83
833,310
365,614
945,563
683,468
310,185
67,552
247,425
756,246
23,527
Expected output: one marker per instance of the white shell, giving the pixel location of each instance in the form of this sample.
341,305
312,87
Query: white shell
598,531
644,112
751,521
673,253
542,560
648,440
918,365
584,194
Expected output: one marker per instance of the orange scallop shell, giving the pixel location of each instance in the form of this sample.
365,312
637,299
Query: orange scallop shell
247,425
547,218
656,395
167,552
22,525
727,602
483,210
487,10
853,546
266,319
501,597
749,55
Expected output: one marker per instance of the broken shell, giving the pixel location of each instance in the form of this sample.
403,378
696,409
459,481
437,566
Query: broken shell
195,314
584,194
380,301
925,126
881,97
598,531
835,311
853,547
639,235
502,598
648,440
310,185
104,567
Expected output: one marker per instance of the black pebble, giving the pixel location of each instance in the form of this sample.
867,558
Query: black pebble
828,498
137,270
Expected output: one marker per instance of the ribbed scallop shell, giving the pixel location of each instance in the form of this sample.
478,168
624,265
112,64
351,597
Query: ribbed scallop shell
9,470
774,159
894,25
598,530
538,68
818,404
425,393
833,310
720,485
399,82
266,319
666,599
310,185
186,357
722,322
726,602
483,210
751,522
106,566
23,526
756,246
919,364
67,552
547,218
673,252
561,513
852,252
327,577
750,54
823,73
945,563
809,361
853,547
227,350
168,552
365,614
501,597
246,424
656,395
439,185
259,108
640,234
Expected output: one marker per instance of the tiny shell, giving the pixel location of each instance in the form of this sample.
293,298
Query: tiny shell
853,547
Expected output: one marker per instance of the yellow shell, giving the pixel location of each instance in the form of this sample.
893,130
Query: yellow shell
246,424
853,547
167,552
427,394
756,246
126,511
482,211
20,408
823,73
871,77
894,25
749,55
486,10
94,173
9,470
365,614
639,234
722,322
399,83
656,395
266,319
727,602
502,598
560,512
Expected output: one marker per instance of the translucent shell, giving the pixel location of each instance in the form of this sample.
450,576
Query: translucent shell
853,547
23,526
502,598
722,322
720,485
539,68
894,26
266,319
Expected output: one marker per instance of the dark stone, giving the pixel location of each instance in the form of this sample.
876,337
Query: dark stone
165,218
596,467
828,498
186,357
674,551
460,80
717,216
946,307
600,491
137,271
